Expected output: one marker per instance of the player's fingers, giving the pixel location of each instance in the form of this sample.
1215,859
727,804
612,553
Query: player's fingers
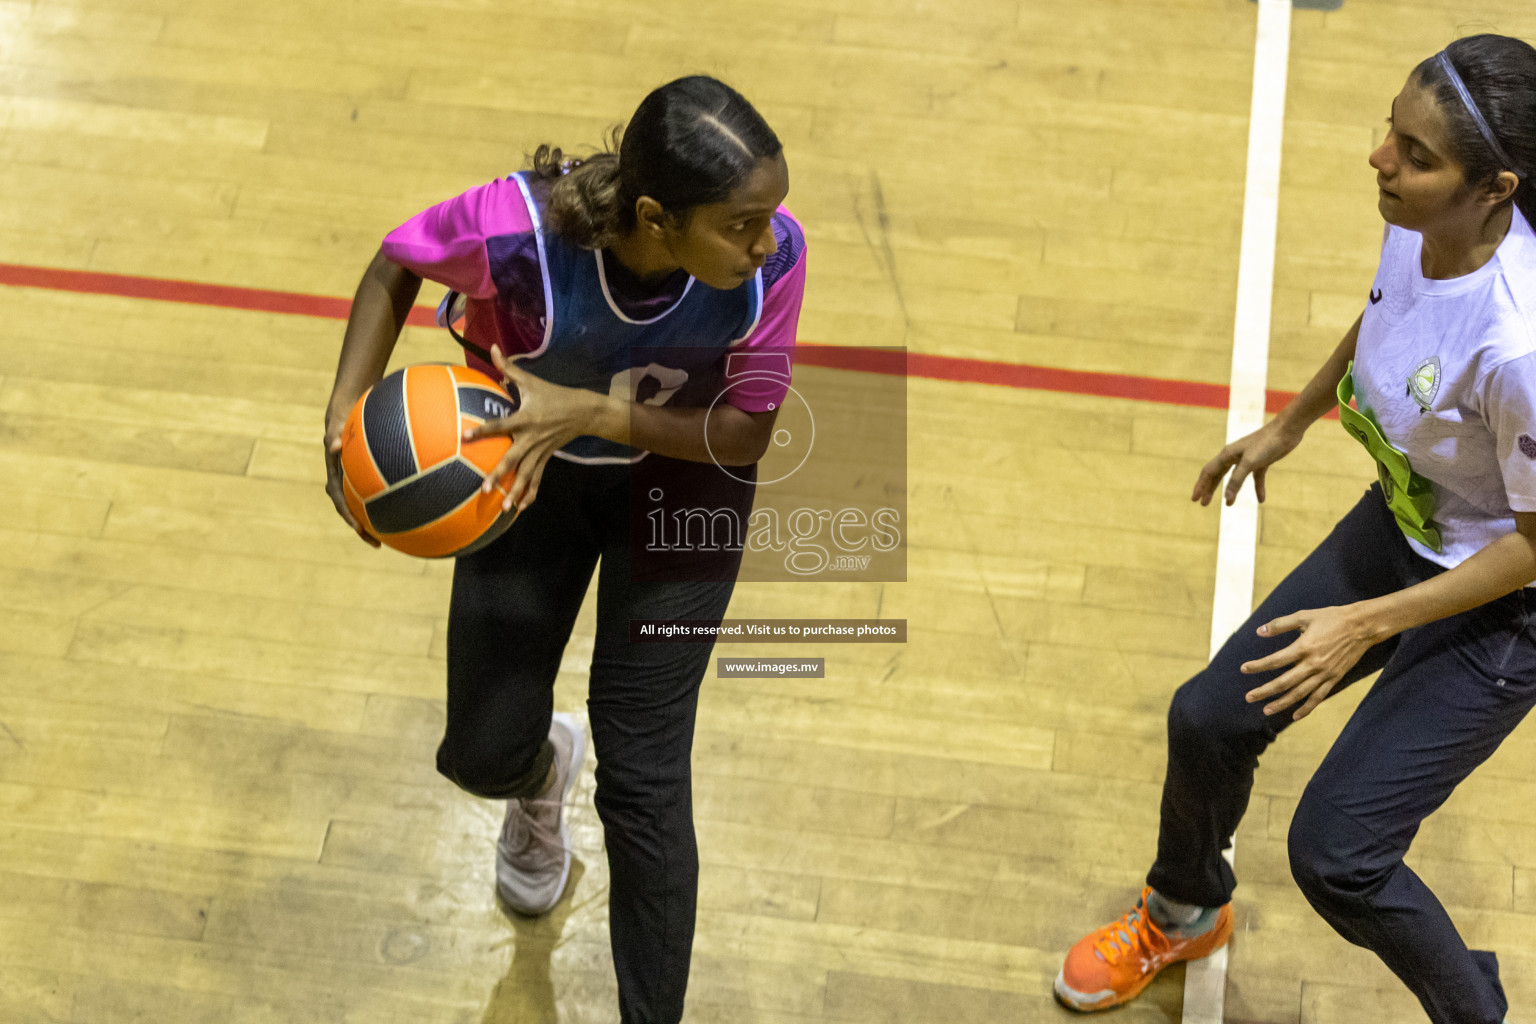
490,428
1210,477
1317,697
351,520
1258,483
345,513
1280,684
1297,693
1288,655
1216,468
332,465
509,370
333,489
528,459
1284,624
498,475
529,469
1235,481
532,490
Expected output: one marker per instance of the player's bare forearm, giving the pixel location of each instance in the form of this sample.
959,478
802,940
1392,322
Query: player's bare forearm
1320,394
724,434
379,309
1500,568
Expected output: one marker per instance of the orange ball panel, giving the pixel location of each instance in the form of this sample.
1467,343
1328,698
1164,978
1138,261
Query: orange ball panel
486,452
457,529
432,405
470,375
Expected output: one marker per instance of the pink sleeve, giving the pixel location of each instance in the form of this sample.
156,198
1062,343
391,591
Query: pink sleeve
446,243
767,355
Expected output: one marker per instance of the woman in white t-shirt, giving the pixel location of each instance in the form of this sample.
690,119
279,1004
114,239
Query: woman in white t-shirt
1426,579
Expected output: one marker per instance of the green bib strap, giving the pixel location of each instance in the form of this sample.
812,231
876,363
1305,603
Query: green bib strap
1410,497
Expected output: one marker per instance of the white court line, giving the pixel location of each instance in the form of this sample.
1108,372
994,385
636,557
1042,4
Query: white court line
1205,980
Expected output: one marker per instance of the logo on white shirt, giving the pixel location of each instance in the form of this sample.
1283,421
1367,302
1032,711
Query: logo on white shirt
1424,383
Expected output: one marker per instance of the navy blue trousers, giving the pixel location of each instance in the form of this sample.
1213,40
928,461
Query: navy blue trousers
1448,694
514,604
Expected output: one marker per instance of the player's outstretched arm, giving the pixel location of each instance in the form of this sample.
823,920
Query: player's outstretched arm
383,301
549,416
1253,454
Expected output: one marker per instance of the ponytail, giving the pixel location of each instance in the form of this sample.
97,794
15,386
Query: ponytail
584,199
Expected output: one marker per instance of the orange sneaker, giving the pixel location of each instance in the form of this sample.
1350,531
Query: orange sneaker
1112,965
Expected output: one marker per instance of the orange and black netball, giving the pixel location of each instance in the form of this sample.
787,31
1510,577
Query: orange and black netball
409,477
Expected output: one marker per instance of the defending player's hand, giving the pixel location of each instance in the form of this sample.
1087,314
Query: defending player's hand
1247,456
333,481
1332,641
547,418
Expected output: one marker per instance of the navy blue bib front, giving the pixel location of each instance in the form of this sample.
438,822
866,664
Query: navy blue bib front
674,358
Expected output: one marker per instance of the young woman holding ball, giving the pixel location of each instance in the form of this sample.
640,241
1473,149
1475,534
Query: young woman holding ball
608,293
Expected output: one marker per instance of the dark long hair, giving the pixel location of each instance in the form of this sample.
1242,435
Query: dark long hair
1500,73
690,142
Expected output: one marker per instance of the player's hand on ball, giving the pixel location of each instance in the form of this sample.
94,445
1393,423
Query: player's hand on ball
1332,641
333,481
547,417
1247,456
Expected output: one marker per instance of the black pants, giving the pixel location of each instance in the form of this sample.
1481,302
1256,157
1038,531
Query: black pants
1448,694
513,607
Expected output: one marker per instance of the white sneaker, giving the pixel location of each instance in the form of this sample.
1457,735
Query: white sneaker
533,855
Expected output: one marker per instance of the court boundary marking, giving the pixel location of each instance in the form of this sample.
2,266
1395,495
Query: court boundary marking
929,366
1205,981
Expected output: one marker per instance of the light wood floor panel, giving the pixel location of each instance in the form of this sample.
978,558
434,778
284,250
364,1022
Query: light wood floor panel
132,689
224,573
234,532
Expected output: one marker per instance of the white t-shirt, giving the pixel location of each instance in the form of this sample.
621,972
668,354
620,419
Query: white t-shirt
1448,371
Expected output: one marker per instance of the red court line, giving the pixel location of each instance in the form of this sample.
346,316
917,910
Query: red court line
912,364
192,292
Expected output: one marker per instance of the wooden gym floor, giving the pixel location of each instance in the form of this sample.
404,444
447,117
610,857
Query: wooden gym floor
218,709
